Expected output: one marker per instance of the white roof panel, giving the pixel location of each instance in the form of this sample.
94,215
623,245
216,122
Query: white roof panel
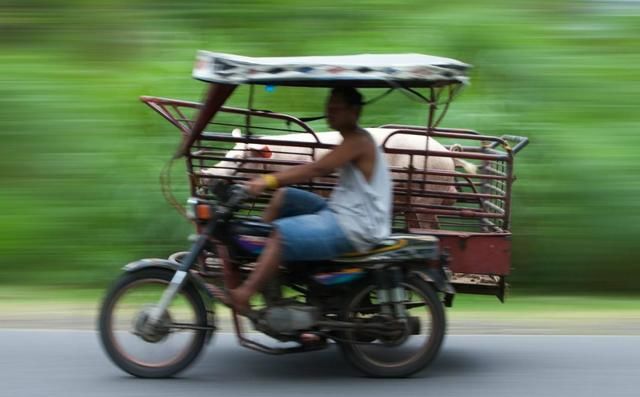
364,70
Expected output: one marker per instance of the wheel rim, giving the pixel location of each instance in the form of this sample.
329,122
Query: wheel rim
125,308
406,349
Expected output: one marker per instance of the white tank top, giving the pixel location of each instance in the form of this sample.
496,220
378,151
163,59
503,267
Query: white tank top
363,208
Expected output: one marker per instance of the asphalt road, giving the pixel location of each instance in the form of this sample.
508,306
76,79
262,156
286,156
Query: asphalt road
71,363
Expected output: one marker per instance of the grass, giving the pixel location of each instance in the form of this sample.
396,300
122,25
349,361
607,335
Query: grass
77,308
80,155
16,298
553,307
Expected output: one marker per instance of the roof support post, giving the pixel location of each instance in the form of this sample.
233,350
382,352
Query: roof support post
216,96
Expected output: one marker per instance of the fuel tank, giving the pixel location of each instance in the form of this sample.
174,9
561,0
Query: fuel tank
250,236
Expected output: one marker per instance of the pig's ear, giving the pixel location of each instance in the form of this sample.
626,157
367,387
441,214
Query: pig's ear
236,133
260,151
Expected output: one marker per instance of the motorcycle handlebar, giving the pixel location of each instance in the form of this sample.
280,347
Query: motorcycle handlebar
236,196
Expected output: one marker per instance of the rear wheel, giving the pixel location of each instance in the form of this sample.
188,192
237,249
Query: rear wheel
411,348
139,349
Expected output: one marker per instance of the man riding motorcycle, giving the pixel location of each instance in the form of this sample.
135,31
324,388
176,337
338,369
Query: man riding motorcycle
308,227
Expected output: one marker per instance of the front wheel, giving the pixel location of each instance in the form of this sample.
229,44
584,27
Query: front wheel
157,351
405,353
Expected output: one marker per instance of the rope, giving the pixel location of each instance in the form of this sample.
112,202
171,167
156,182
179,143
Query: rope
165,186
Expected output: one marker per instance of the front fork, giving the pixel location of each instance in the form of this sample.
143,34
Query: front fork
178,280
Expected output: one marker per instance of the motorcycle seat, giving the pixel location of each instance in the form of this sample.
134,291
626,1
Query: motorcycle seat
396,248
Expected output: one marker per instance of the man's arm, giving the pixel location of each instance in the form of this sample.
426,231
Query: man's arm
347,151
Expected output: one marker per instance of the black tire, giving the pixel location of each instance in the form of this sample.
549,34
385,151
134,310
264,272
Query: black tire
356,356
108,338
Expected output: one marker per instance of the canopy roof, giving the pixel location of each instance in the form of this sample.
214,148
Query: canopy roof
365,70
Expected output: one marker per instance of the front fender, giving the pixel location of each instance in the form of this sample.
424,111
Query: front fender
150,262
197,281
193,278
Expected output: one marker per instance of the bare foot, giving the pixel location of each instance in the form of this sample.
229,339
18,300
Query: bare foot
240,300
309,338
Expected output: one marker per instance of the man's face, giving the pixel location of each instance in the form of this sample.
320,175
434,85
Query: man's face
340,115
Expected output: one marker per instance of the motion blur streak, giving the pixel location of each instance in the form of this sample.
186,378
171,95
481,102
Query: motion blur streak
80,156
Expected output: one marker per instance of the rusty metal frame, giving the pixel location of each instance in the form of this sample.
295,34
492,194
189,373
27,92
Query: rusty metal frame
162,106
485,206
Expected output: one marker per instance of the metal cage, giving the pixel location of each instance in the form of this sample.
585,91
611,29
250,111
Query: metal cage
468,211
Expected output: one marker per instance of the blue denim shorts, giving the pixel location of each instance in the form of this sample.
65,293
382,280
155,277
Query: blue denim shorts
309,230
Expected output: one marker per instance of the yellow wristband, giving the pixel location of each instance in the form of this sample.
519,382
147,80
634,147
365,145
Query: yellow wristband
271,181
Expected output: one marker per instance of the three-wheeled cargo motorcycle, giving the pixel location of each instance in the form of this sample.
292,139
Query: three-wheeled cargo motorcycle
384,309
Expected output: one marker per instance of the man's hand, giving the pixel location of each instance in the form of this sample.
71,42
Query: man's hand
256,186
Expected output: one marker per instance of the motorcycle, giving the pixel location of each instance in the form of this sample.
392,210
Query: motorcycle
381,308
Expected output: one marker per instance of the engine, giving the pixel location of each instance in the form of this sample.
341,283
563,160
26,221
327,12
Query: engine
285,319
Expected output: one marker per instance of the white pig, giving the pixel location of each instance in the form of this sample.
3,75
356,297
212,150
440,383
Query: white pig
241,151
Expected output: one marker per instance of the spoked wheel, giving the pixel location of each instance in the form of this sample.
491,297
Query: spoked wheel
412,343
149,351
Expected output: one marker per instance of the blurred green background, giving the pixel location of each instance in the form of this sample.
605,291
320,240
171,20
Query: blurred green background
80,155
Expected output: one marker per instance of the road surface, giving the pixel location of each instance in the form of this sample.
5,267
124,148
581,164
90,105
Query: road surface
71,363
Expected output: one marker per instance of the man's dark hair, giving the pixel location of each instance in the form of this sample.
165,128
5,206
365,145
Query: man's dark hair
350,95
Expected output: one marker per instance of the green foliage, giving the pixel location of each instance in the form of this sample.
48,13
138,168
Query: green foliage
80,156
